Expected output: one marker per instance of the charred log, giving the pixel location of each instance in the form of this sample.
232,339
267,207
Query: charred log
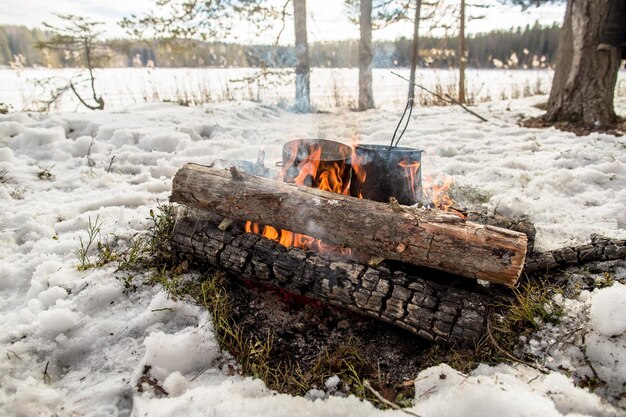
429,238
600,248
429,309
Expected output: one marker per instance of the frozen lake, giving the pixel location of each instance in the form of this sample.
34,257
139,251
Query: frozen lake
330,88
24,89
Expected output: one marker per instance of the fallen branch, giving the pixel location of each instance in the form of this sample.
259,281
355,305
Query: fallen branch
447,97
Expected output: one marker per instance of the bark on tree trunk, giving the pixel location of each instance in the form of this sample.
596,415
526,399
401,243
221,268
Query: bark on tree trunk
303,67
366,98
429,238
584,79
412,302
462,55
415,52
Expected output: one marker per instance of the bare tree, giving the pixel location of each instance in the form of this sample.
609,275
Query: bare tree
462,53
465,15
415,47
303,66
366,97
77,37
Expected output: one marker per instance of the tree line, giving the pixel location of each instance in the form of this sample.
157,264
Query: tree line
529,47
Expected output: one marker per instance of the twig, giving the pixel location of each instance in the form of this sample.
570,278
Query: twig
385,401
562,340
197,375
283,15
465,108
14,354
145,378
100,105
507,354
447,97
46,377
90,162
111,164
583,350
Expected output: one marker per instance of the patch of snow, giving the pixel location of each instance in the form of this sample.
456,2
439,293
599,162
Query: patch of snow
59,320
332,383
608,311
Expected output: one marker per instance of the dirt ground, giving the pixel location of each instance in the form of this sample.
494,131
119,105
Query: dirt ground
307,334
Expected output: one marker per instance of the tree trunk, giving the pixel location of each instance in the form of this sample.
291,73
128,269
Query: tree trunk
303,67
429,309
584,79
366,99
429,238
462,59
415,50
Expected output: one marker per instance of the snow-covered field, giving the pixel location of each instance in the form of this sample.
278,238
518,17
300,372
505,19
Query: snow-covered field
330,88
94,341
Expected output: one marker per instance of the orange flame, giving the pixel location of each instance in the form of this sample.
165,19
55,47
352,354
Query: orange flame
411,172
290,239
437,191
358,171
312,171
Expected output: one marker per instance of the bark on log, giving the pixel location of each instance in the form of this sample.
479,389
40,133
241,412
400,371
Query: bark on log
601,248
517,225
431,310
429,238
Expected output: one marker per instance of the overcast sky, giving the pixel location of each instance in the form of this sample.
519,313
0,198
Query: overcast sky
327,18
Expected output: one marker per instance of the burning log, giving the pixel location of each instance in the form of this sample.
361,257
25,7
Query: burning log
429,309
424,237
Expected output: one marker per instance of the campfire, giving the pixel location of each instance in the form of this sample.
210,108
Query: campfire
366,203
410,261
374,172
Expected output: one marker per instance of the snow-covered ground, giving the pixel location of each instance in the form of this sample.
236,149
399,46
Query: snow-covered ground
94,341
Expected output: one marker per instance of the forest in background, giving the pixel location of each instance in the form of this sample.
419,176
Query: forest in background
530,47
